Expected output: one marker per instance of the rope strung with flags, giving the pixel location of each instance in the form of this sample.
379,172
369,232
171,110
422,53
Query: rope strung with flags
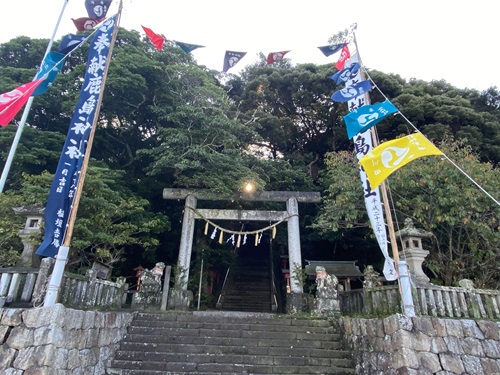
257,233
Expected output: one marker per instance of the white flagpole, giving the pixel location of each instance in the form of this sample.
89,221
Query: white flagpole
27,108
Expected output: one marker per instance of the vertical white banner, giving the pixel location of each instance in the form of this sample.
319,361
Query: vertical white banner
363,145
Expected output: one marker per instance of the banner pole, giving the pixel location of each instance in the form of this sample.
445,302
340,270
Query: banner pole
406,298
62,255
27,108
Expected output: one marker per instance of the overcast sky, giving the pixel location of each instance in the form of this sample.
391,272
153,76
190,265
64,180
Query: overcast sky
457,41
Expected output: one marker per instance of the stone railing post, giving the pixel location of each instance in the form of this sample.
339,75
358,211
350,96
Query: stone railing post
40,288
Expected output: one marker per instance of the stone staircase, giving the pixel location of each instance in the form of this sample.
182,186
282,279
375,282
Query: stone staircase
248,287
226,342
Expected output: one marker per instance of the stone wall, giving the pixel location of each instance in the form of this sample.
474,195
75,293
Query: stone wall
423,346
58,340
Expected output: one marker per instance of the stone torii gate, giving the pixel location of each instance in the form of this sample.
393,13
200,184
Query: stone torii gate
180,296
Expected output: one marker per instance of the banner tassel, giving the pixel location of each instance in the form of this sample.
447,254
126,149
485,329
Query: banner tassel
206,228
221,236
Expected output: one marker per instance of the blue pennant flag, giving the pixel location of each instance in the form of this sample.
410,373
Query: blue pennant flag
345,74
63,188
330,50
231,59
352,92
51,65
71,41
188,48
97,8
363,118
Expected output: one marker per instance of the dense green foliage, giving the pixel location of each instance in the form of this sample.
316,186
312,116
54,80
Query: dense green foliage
440,199
165,121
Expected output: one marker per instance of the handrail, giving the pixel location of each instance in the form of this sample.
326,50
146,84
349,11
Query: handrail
274,301
223,290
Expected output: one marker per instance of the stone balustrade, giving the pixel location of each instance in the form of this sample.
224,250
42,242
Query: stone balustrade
429,300
26,287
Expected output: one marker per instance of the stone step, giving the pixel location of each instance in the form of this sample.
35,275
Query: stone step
335,350
229,299
240,308
234,341
254,293
227,317
332,371
231,326
246,331
151,367
221,357
246,308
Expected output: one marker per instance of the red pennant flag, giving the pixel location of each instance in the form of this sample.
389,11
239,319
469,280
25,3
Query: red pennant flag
85,23
12,101
156,39
344,55
276,56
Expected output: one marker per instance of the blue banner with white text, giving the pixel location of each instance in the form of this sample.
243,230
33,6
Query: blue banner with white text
363,118
352,92
62,191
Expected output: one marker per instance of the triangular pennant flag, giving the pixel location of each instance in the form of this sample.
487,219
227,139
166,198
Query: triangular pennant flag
352,92
392,155
12,101
70,41
344,55
363,118
85,23
97,8
276,56
330,50
156,39
231,59
345,74
186,47
51,66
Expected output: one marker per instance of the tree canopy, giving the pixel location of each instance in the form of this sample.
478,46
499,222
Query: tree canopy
166,121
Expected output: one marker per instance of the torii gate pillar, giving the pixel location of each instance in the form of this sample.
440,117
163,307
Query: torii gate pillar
294,300
181,297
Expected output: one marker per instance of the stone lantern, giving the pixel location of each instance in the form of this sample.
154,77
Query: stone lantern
412,250
34,217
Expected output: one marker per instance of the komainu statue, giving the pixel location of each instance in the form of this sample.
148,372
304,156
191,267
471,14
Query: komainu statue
150,288
326,302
